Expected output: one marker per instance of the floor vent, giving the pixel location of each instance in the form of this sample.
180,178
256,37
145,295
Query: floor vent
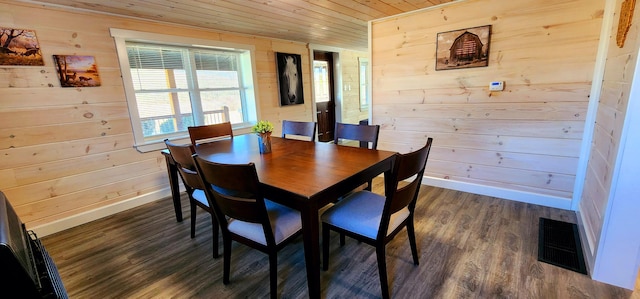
559,245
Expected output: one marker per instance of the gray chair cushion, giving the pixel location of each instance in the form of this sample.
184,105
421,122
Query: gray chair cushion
198,195
361,212
284,223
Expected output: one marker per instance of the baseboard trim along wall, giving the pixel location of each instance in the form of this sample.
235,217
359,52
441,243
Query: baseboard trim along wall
82,218
60,225
521,196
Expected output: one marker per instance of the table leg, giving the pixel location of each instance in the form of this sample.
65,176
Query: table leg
311,235
172,172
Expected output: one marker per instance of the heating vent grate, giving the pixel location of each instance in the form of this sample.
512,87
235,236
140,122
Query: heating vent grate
559,245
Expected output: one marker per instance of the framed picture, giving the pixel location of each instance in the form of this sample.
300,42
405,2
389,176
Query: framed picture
19,47
624,23
464,48
77,71
289,68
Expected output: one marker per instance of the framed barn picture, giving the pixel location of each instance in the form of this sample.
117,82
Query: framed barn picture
464,48
289,73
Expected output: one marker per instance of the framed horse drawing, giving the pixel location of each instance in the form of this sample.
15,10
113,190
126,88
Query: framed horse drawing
289,69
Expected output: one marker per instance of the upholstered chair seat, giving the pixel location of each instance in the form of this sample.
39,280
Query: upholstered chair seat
361,212
285,222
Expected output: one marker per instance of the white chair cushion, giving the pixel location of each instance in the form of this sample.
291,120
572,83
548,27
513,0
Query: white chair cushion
284,223
198,195
361,212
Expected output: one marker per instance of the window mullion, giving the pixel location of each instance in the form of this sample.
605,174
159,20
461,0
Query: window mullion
194,89
242,90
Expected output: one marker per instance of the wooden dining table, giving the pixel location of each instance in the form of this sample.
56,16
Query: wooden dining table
303,175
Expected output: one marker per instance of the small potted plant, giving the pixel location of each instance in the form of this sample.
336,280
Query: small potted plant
263,129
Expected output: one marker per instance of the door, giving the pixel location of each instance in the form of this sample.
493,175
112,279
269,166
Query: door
324,94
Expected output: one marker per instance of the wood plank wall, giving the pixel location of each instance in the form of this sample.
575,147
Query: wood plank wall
350,98
525,139
611,112
68,151
350,63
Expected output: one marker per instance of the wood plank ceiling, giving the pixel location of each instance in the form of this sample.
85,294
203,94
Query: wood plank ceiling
337,23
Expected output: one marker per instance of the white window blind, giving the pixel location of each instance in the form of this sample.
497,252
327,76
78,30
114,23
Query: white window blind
172,82
180,87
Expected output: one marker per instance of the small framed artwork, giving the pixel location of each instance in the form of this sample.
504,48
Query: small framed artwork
289,68
77,71
19,47
464,48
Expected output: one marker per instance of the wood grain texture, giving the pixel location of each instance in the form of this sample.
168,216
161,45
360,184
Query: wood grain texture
334,23
350,106
539,116
470,246
609,125
65,151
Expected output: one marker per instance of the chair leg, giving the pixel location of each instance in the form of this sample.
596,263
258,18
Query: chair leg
368,187
342,239
215,228
273,274
325,247
227,259
193,219
412,241
382,270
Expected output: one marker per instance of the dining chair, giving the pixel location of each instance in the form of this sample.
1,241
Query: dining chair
365,134
182,155
245,216
299,128
210,132
376,219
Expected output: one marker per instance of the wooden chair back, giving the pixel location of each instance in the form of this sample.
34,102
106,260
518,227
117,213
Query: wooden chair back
182,155
234,192
209,132
399,193
365,134
299,128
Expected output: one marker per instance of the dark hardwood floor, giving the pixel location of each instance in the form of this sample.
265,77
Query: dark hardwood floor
470,246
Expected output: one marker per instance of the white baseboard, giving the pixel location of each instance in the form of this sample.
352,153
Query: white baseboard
521,196
85,217
587,250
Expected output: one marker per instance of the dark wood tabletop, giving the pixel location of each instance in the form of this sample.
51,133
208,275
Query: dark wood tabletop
302,175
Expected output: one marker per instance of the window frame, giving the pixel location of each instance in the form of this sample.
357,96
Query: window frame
248,82
364,83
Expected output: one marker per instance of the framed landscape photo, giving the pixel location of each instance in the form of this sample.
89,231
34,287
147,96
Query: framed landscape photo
77,71
464,48
19,47
289,73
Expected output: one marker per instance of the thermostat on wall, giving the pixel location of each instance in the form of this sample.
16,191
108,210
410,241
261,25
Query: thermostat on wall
496,86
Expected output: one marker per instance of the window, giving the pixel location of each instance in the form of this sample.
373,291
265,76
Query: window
321,81
171,86
364,83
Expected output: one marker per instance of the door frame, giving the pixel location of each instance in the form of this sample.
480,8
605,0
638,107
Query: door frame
616,255
337,80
